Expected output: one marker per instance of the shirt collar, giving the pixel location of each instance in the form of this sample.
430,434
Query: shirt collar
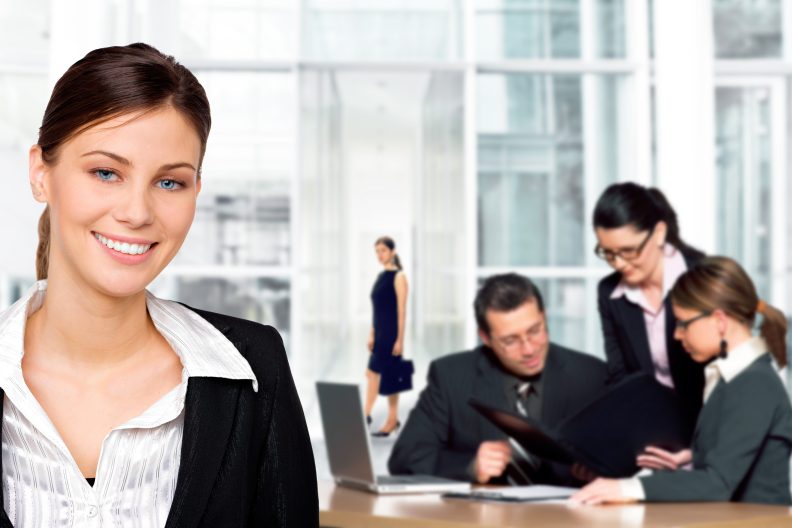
203,350
673,267
739,359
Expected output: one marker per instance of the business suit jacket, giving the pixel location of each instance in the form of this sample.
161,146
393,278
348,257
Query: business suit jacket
627,342
741,446
443,432
246,457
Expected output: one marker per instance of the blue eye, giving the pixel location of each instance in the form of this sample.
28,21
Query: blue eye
169,185
106,175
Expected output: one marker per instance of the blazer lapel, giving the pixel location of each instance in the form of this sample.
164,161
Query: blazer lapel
635,326
210,408
554,397
488,388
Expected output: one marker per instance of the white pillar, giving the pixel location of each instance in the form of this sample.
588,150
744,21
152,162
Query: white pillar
685,115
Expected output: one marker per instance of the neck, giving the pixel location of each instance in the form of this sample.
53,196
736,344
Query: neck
655,279
737,335
79,325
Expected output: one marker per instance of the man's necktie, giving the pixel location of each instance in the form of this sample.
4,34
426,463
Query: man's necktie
523,463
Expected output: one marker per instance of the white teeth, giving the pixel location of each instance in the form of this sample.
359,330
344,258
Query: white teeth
123,247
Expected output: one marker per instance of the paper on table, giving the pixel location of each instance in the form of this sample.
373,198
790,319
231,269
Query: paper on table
534,493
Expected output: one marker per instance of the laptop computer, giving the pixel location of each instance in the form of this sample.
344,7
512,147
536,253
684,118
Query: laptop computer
349,449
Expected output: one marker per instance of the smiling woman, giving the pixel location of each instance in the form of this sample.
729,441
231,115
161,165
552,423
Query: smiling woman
637,234
144,410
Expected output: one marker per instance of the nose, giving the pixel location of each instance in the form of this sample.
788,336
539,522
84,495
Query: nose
135,208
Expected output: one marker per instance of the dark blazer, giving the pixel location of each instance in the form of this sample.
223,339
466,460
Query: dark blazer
741,446
627,342
246,457
443,432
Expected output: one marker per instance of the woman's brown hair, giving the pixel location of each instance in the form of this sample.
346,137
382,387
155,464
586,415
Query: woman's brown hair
107,83
390,244
720,283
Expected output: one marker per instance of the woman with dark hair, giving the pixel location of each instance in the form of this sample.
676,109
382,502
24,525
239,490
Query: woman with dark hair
121,408
386,339
637,234
743,441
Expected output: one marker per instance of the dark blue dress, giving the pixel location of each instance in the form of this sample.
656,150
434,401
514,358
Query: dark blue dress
385,321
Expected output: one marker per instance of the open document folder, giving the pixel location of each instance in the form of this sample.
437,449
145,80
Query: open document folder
608,434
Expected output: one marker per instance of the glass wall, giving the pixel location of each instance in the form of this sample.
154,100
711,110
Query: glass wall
480,145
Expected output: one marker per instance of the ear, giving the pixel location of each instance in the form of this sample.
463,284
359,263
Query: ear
721,320
197,186
484,337
660,232
38,173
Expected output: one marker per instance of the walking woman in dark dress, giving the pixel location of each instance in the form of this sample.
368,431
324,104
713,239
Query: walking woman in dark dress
637,234
386,340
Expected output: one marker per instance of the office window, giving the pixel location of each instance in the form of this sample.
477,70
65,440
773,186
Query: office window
531,29
244,209
748,29
745,180
260,299
236,30
383,30
25,35
534,168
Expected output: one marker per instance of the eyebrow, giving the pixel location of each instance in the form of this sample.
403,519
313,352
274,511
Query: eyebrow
124,161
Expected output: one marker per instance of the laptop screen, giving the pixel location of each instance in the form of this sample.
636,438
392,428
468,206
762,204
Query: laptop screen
346,437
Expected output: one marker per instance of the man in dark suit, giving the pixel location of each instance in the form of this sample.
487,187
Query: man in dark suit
517,367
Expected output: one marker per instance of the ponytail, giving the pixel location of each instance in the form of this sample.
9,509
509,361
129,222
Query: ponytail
774,332
721,283
630,204
390,244
669,217
42,252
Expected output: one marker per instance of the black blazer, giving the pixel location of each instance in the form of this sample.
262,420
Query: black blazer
246,457
443,432
627,342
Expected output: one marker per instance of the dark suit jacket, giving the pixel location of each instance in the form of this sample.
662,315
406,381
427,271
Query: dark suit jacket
443,432
627,343
741,445
246,457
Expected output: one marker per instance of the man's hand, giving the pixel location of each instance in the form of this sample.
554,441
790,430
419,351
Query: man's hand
491,460
656,458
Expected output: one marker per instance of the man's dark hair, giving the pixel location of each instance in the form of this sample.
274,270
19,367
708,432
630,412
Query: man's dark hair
504,293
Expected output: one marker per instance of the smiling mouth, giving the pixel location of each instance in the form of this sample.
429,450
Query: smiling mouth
124,247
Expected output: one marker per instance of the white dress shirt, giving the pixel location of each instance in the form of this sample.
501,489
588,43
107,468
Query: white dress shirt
139,460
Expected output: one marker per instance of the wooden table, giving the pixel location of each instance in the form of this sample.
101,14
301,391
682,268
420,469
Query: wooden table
346,508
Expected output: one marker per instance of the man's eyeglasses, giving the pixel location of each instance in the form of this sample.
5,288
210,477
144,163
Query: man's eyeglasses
534,336
683,325
628,253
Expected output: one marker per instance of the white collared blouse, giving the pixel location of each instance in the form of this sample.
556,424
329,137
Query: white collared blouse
139,460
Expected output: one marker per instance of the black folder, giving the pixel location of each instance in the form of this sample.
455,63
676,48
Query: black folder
609,433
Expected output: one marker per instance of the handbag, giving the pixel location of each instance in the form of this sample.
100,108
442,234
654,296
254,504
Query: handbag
397,377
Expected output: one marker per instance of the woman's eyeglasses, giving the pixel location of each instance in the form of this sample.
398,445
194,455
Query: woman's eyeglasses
628,253
683,325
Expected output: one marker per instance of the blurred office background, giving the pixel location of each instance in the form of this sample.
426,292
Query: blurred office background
477,133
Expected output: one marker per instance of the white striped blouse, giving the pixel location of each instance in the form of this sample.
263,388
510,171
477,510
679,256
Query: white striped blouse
139,460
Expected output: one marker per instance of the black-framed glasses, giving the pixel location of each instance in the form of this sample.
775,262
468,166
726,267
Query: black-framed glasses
684,324
628,253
